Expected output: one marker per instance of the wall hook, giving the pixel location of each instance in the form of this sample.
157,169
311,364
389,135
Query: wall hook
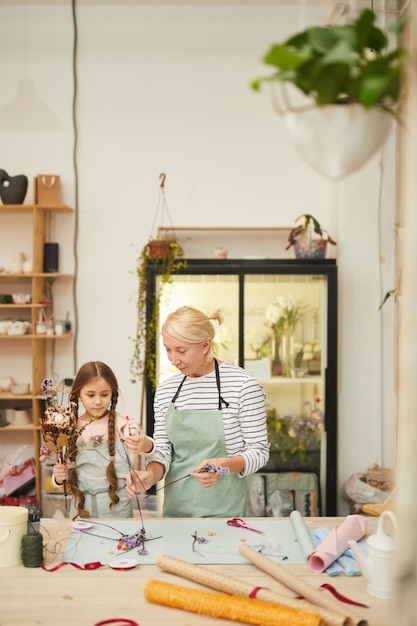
162,179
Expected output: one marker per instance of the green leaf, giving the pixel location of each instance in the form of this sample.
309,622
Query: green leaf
387,296
340,53
322,39
284,58
330,83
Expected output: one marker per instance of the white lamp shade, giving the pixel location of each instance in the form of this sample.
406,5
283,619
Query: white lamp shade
339,139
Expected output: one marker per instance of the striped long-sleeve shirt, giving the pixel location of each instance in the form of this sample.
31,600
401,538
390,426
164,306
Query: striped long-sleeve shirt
244,419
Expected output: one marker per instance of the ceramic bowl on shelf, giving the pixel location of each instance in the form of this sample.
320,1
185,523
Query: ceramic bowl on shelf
20,389
17,327
22,298
22,417
6,383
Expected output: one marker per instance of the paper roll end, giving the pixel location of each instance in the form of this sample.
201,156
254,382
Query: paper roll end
316,563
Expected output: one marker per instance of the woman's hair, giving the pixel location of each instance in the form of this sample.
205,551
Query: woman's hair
191,326
88,372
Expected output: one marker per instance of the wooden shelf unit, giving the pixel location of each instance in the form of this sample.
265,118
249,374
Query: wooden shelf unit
37,352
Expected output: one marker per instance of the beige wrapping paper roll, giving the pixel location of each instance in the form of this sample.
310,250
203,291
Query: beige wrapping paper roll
296,584
237,587
220,605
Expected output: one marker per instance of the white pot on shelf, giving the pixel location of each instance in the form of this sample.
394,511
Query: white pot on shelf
336,140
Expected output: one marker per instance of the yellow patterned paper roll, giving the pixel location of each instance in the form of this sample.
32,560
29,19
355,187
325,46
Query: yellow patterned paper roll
221,605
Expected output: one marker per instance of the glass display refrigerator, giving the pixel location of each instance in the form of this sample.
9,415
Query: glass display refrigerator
280,324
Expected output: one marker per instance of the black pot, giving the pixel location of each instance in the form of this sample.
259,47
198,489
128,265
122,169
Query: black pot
13,188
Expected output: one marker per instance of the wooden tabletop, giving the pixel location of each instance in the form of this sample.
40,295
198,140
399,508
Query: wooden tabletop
67,596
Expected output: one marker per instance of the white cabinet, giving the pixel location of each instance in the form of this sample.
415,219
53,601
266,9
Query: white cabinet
301,397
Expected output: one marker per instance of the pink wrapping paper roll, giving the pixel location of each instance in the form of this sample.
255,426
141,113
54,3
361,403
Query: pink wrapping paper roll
336,542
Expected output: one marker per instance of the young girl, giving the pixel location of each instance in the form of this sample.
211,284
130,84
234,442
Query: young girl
104,450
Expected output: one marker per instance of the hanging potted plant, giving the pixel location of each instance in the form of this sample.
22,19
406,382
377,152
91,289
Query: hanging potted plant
351,81
165,255
307,244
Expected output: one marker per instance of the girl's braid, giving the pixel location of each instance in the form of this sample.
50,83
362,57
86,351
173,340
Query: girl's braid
111,470
72,481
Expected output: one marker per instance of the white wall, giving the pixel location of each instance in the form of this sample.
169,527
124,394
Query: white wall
166,89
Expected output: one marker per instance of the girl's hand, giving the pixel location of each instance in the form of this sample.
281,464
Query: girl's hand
138,482
60,472
139,442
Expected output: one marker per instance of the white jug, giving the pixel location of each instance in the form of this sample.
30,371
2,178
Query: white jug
378,565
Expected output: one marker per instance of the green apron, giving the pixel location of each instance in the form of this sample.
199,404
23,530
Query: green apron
196,435
92,461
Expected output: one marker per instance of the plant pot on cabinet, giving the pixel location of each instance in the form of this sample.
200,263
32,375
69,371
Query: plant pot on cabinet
306,248
336,140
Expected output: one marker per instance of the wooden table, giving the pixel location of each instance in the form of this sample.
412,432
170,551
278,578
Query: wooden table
68,596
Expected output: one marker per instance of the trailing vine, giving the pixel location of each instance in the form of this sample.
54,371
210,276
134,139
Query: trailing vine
167,262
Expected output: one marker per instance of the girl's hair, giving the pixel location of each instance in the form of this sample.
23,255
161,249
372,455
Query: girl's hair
191,326
88,372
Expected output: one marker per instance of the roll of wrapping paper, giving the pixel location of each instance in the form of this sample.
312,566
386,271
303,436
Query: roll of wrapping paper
220,605
336,542
302,534
296,584
237,587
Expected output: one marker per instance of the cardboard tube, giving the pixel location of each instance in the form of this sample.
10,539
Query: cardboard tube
221,605
296,584
243,589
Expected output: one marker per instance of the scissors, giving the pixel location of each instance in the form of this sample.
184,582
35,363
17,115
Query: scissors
240,523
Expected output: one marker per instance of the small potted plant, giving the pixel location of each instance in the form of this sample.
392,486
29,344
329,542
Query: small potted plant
307,246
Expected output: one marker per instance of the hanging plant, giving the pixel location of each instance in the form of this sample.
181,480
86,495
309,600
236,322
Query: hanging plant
165,255
340,64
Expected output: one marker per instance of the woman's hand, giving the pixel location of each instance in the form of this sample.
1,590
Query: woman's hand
208,479
60,472
139,442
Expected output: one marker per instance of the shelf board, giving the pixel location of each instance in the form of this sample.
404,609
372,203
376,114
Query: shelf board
31,336
286,380
22,306
11,427
8,395
35,275
29,208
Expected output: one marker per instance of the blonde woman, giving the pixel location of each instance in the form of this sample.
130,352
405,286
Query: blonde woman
211,413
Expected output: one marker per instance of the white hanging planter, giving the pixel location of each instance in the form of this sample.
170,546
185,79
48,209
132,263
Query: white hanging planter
338,139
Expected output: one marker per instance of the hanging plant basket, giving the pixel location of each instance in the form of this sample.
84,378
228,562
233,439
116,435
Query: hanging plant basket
337,140
349,80
166,255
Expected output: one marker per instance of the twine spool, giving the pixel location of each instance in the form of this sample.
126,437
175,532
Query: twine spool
31,550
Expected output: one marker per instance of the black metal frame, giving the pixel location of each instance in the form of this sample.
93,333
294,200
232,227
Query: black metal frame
242,267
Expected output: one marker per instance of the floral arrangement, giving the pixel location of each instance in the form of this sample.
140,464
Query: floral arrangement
58,427
260,341
305,353
210,468
285,312
10,463
128,542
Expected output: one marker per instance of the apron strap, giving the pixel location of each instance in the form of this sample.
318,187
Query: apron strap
221,400
216,367
178,390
